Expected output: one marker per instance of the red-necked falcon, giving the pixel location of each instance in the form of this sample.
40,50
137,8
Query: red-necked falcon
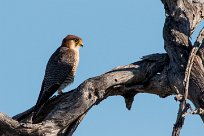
60,69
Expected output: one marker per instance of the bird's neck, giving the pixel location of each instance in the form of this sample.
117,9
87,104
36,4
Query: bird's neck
75,60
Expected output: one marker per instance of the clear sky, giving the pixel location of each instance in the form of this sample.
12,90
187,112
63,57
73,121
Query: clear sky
115,32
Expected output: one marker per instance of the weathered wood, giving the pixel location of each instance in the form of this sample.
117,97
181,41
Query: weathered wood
183,17
65,111
160,74
184,106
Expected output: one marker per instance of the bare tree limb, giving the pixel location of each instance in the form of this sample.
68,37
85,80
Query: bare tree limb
183,105
180,71
63,113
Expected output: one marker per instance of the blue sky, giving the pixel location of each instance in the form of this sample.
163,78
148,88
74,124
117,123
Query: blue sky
114,32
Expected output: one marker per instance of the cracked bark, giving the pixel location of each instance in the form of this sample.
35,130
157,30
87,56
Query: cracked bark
160,74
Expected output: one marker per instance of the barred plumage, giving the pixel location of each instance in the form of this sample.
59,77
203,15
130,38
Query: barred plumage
60,69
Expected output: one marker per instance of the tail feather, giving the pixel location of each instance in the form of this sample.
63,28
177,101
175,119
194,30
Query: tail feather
45,95
42,99
39,101
19,117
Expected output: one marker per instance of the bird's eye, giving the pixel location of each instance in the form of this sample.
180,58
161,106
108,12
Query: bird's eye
76,40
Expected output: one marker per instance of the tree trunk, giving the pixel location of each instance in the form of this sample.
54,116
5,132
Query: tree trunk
160,74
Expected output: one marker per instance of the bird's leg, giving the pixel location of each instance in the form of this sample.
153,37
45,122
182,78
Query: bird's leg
60,91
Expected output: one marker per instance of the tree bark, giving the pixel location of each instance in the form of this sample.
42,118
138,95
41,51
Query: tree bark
160,74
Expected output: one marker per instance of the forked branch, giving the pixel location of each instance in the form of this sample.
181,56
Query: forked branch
63,113
180,71
184,106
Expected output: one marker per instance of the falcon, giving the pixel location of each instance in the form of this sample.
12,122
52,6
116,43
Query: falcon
60,69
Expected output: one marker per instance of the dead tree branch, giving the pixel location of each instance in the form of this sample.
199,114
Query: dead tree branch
180,71
63,113
184,106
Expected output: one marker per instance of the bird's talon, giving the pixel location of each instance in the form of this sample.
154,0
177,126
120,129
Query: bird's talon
61,93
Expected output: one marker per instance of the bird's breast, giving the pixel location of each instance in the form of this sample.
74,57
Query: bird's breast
74,61
75,64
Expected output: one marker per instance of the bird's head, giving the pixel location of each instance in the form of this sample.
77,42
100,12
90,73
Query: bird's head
72,42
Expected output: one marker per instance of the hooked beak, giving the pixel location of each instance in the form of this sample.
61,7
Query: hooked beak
81,43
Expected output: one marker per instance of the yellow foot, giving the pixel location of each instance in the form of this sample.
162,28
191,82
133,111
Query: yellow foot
60,92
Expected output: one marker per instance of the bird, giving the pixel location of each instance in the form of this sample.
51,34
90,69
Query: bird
61,69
